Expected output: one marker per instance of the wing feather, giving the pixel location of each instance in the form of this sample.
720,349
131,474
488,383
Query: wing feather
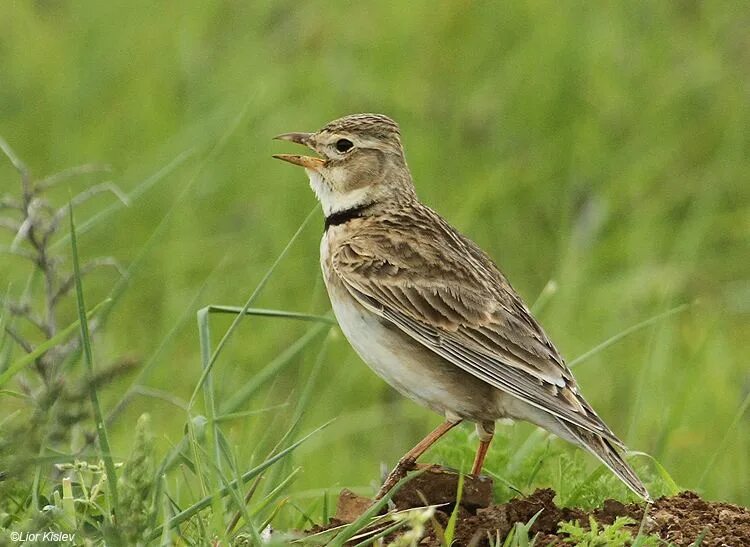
443,291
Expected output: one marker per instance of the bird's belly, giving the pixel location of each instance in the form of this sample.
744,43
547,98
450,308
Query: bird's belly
412,369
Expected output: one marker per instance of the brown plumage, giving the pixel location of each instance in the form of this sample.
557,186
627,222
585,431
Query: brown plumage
427,309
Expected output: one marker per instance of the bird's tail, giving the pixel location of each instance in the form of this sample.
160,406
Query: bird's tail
608,455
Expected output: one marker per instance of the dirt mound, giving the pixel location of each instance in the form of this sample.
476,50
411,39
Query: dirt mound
679,519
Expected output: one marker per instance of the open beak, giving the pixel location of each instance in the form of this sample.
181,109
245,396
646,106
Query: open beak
308,162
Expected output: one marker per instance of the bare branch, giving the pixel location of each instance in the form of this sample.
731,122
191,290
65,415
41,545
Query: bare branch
67,348
32,220
160,394
87,268
23,233
61,176
7,202
10,224
107,186
19,252
18,164
18,339
24,312
14,159
84,196
16,308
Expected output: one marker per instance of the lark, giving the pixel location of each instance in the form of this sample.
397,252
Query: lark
427,309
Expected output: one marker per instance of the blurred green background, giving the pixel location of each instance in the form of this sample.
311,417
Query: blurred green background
603,146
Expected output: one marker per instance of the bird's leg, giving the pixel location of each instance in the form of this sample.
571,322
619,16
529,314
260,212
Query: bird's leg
410,458
485,431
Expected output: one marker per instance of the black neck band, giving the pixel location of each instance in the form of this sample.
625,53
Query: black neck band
342,217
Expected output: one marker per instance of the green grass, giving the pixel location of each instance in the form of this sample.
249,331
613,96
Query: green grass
614,535
520,535
602,147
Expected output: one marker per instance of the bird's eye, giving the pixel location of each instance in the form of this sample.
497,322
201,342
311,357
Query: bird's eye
344,145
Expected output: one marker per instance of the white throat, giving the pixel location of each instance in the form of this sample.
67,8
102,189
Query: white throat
332,201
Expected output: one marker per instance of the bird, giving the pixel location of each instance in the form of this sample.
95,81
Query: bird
427,309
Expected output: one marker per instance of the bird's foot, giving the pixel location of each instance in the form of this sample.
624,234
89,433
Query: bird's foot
399,472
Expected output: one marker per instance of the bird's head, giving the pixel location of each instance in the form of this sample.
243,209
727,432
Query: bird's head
361,162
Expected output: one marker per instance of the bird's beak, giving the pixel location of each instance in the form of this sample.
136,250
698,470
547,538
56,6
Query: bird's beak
307,162
299,138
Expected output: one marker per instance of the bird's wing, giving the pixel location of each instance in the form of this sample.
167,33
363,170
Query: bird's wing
439,288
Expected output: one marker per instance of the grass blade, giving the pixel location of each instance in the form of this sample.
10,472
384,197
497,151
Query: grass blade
263,312
154,358
241,396
101,428
47,345
630,330
264,280
351,530
274,494
720,448
384,532
450,528
214,471
663,473
246,477
132,196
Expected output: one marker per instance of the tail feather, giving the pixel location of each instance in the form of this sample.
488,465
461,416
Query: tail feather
608,455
